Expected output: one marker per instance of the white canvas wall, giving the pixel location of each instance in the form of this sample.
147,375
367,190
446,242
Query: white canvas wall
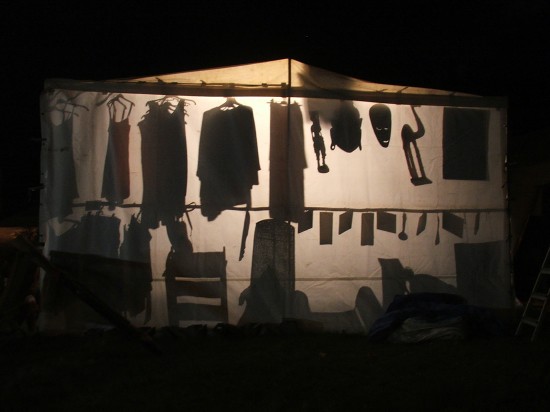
369,180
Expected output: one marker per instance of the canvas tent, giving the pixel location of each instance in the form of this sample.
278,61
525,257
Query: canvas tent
267,191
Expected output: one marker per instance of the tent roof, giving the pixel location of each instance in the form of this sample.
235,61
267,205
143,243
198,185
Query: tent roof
278,78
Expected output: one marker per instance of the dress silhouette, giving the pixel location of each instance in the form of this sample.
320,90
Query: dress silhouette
164,162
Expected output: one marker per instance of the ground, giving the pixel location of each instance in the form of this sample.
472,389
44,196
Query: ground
269,368
268,371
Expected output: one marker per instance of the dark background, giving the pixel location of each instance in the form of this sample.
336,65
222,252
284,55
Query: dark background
491,48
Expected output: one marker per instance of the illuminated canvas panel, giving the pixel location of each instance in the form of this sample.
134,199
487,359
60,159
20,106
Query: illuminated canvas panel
303,207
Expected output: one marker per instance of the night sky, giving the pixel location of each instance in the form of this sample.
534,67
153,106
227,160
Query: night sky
492,48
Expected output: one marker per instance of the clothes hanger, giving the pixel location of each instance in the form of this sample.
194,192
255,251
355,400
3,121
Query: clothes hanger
119,97
169,102
124,102
70,101
178,99
159,102
71,98
230,103
104,99
66,107
164,99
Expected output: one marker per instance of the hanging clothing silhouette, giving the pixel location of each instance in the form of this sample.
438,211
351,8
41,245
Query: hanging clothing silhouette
116,172
287,161
228,162
61,187
164,161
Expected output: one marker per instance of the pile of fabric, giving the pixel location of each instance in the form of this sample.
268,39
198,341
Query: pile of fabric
419,317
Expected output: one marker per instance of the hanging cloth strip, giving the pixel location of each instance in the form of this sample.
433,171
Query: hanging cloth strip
246,227
287,162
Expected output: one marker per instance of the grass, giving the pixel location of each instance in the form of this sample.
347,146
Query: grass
271,372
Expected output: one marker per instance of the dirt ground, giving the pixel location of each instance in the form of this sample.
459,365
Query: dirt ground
190,370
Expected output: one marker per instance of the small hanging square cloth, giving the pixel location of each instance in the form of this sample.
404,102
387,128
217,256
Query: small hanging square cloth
386,221
306,222
453,223
345,220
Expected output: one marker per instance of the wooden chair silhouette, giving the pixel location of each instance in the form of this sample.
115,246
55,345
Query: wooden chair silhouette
196,293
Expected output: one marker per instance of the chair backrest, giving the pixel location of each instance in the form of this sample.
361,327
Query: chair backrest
198,293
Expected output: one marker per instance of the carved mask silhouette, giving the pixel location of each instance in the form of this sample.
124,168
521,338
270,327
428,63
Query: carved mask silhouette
380,118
